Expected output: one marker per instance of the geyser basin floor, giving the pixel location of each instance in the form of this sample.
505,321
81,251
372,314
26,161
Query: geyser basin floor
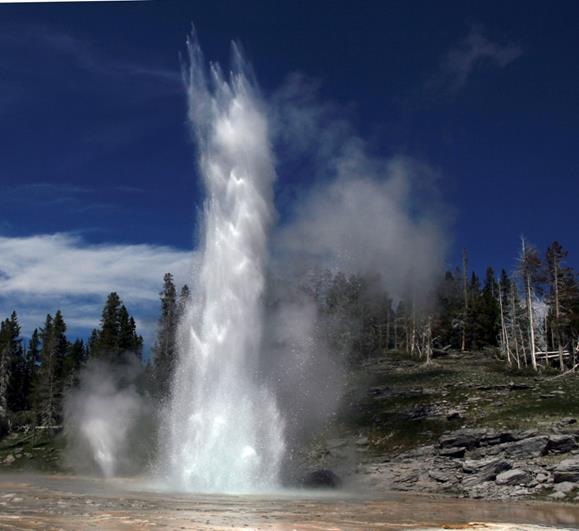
72,503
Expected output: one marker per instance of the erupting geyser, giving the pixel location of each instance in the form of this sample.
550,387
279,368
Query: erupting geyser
224,432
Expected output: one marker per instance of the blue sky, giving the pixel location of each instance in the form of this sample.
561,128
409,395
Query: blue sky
95,150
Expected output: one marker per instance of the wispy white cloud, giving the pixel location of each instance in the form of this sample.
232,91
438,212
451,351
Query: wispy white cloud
85,55
72,198
45,272
41,188
475,49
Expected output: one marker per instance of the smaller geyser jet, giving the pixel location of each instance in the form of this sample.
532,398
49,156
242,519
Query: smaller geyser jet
223,431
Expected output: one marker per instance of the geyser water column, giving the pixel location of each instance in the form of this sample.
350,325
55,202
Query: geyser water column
224,431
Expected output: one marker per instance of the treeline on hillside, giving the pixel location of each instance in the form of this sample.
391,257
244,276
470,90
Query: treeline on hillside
529,317
34,377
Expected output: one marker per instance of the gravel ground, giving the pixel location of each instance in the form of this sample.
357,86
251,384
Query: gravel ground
73,503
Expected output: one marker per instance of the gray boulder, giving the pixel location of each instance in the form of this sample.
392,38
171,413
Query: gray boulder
561,444
443,476
485,468
513,477
567,470
469,438
453,451
530,447
362,441
493,438
565,487
474,481
542,477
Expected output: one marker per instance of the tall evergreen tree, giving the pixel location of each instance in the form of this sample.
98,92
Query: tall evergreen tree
117,335
562,285
165,349
488,311
473,325
32,367
184,300
449,322
128,340
107,344
50,382
11,368
76,356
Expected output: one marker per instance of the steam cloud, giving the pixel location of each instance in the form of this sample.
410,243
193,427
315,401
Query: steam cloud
103,417
357,213
364,222
361,214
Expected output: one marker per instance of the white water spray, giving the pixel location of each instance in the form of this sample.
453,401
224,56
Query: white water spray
224,431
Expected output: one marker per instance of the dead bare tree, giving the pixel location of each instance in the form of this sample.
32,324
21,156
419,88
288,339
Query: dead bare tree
465,294
530,269
504,334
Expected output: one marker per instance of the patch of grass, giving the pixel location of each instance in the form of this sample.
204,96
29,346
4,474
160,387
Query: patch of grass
40,452
477,385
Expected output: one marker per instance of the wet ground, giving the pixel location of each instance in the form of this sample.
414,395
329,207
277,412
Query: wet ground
73,503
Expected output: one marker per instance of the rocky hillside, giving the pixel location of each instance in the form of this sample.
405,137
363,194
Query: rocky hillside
465,426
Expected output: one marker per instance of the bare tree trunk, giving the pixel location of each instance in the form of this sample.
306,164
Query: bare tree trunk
557,313
428,340
527,280
413,330
465,293
514,324
408,336
522,343
388,327
531,323
504,330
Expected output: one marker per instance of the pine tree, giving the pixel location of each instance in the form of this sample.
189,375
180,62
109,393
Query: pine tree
93,344
558,276
474,330
117,335
128,340
17,381
448,324
32,366
50,382
184,300
11,368
108,335
570,287
489,313
165,349
76,356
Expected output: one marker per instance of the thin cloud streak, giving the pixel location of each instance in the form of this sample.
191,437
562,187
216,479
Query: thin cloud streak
74,198
476,48
85,55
